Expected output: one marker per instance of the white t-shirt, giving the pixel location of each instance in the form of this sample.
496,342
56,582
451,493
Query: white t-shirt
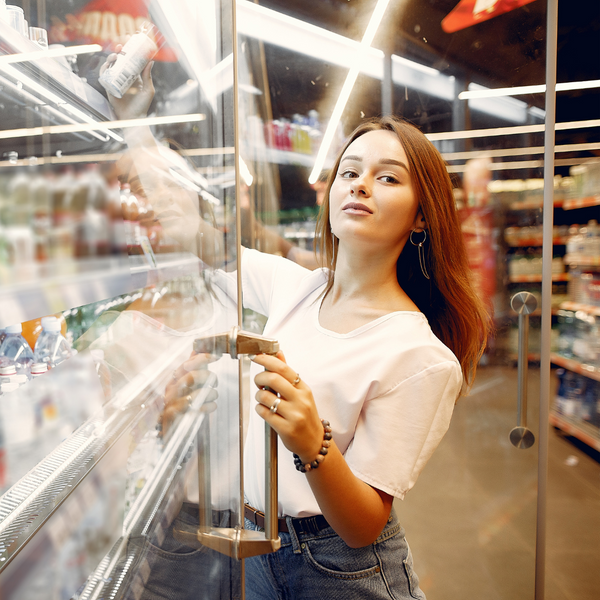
388,388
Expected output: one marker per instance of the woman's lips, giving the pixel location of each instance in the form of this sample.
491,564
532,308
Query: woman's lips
356,208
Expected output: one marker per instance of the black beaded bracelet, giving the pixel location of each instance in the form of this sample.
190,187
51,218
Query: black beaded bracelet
305,468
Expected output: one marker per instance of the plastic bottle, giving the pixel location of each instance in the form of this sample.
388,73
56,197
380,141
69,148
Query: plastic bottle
16,348
51,347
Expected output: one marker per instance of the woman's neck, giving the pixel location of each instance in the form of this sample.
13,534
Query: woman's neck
367,279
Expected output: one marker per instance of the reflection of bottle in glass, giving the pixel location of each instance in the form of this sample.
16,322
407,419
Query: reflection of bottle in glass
51,347
134,56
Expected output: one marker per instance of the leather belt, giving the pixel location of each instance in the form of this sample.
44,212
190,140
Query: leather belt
301,524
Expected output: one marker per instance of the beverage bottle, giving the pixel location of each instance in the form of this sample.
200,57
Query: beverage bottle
16,348
134,56
51,347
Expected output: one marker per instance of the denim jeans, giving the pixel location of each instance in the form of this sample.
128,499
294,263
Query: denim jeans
167,569
321,565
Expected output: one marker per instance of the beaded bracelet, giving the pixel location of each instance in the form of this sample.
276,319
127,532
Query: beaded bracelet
305,468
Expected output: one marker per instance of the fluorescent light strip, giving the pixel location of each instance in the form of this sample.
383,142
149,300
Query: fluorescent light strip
529,89
53,98
342,100
526,164
498,131
49,53
96,126
518,151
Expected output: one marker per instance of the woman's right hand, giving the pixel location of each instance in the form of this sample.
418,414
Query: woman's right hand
136,101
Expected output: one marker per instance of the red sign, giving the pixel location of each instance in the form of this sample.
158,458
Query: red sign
108,23
471,12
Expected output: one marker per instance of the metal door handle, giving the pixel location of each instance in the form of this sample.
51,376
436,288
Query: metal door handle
523,303
236,542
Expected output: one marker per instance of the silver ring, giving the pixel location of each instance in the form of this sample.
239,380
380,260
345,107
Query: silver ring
273,408
297,380
189,400
175,374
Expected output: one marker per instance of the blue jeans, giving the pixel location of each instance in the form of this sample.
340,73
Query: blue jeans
321,565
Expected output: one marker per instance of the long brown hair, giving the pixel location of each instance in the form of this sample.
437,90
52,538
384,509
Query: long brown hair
455,313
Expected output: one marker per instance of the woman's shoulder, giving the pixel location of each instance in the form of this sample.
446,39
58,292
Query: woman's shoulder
416,340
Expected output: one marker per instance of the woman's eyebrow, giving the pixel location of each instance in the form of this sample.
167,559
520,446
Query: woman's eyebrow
383,161
391,161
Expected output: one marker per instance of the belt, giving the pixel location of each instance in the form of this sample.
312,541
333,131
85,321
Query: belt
301,524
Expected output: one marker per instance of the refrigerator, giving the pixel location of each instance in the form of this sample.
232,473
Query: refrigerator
120,465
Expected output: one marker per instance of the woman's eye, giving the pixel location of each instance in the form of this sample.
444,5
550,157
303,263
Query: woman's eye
348,174
389,179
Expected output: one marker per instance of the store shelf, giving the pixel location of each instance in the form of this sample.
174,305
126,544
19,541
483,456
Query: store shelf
536,242
586,308
532,204
585,432
581,202
537,278
40,289
582,261
576,366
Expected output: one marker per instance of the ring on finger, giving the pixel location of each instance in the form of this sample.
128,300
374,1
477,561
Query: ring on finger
297,380
188,399
273,408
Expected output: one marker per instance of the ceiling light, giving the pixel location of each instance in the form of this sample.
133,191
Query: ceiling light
366,42
49,53
481,92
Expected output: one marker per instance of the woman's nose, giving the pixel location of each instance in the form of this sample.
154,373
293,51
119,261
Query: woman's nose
359,187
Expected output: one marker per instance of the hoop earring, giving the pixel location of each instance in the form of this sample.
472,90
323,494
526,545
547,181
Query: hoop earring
420,250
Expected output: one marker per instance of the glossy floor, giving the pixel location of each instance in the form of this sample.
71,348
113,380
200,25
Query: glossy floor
470,520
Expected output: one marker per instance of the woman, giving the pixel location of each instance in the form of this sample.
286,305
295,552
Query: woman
385,337
384,340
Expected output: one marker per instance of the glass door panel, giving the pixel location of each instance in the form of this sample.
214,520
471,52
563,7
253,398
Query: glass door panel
471,518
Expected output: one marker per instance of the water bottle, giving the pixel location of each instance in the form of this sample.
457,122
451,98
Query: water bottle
16,349
51,347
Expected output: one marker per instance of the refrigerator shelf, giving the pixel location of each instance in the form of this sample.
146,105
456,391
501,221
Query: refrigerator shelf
29,503
41,289
583,431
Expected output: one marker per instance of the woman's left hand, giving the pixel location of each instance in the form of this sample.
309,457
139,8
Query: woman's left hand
296,419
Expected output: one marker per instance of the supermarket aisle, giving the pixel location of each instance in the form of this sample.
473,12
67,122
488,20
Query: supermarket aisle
470,520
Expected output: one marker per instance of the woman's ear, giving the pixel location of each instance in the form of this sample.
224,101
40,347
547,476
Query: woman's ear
419,222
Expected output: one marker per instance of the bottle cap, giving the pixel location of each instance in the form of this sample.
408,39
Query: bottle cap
14,328
50,324
39,368
8,370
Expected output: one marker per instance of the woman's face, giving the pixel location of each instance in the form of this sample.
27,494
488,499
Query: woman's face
372,201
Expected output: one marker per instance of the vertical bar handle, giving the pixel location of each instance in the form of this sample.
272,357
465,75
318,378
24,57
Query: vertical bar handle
523,303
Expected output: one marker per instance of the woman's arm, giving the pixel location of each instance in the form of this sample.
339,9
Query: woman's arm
357,511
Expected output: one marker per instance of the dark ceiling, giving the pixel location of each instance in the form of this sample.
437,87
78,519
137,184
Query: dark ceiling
508,50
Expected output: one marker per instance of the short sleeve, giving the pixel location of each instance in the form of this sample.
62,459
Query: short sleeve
398,431
264,275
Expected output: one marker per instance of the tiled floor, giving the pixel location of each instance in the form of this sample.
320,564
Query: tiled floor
470,520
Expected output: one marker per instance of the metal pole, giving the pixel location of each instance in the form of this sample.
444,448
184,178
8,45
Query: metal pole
548,218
